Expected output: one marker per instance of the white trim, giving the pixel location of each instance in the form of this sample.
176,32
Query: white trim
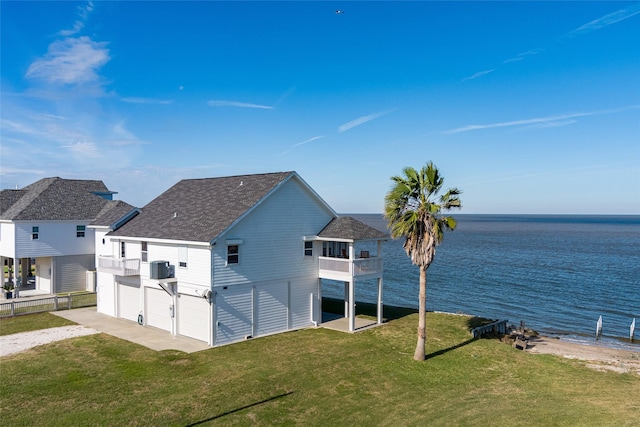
152,240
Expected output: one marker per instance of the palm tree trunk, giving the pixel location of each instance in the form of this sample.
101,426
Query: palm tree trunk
422,316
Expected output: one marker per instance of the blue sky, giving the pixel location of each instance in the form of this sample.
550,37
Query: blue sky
528,107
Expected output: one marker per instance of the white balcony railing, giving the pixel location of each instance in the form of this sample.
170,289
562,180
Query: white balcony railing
119,267
336,268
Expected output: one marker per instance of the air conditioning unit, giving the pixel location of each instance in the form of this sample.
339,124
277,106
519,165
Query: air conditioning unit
160,270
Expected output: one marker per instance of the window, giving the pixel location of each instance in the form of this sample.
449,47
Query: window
80,229
122,251
232,254
308,248
335,249
144,253
35,233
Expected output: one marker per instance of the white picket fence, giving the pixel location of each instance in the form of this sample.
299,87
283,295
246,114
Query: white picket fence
20,306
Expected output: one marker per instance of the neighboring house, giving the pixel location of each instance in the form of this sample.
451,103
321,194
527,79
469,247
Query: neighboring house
227,259
47,223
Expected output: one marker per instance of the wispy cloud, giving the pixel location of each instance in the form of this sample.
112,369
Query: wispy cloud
606,20
362,120
523,55
223,103
315,138
523,175
83,149
559,120
70,61
78,25
136,100
478,74
285,95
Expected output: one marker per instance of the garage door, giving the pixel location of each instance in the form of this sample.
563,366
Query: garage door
128,302
233,314
193,317
158,306
271,312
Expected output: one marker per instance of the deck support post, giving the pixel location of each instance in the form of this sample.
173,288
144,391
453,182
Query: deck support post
379,300
352,305
347,304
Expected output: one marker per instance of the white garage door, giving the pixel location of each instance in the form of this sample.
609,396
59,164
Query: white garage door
233,314
157,304
271,311
193,317
128,302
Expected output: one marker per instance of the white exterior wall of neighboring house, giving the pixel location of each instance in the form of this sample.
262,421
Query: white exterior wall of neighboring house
62,258
69,273
55,238
7,239
103,245
105,285
44,271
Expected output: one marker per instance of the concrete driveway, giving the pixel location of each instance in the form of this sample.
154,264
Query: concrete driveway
147,336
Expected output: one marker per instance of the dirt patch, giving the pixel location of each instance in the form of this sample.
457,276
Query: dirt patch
600,358
17,343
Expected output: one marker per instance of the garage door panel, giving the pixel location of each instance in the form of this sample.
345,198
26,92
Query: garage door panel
128,302
233,314
157,308
272,314
193,317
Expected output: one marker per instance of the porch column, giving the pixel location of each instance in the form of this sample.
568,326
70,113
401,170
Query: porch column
318,312
346,299
16,278
352,304
379,300
25,270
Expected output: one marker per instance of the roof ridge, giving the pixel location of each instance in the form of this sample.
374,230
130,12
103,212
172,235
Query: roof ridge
238,176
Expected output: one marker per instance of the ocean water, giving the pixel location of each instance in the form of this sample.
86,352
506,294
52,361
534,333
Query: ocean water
556,273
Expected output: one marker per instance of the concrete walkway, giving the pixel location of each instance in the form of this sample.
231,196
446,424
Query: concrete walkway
147,336
341,323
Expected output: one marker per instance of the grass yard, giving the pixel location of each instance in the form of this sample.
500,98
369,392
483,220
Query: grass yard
310,377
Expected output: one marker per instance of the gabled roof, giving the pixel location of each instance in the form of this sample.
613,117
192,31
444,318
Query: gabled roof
199,210
112,212
54,199
348,228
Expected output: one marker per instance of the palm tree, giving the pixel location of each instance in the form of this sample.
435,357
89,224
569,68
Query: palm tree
414,211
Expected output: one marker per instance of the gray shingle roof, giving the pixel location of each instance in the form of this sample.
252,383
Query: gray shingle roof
200,209
346,227
54,199
112,212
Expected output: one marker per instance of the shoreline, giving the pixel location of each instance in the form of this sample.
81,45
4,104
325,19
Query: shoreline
598,357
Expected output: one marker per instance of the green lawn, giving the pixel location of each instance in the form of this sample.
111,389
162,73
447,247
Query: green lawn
311,377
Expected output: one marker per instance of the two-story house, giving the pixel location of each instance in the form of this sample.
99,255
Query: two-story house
47,224
231,258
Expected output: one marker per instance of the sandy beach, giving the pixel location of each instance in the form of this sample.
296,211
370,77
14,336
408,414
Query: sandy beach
597,357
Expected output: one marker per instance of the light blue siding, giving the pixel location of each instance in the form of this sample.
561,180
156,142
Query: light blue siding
272,308
234,307
272,239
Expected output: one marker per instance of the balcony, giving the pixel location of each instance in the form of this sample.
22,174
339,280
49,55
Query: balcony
119,267
346,269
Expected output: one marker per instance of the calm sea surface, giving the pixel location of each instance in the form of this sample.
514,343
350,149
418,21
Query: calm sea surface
555,273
